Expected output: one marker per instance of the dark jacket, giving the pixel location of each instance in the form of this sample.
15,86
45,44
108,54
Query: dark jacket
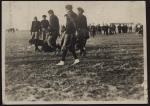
81,22
54,23
71,22
44,24
82,27
36,26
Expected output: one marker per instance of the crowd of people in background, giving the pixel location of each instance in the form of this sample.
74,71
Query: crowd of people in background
112,29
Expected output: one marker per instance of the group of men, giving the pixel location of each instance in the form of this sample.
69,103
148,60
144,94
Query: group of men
75,33
109,29
139,29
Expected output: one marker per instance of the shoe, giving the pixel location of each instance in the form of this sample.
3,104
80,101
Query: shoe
61,63
76,61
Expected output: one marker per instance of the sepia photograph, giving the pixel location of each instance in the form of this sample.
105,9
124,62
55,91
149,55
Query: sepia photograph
74,52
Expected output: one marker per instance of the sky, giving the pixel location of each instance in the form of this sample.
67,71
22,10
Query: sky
19,14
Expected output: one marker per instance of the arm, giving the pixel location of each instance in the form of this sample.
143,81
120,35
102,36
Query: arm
86,23
31,28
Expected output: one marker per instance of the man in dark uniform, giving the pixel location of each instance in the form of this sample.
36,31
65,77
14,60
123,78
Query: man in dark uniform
110,29
69,39
44,27
119,28
114,28
106,29
93,29
82,31
53,29
124,28
99,29
35,32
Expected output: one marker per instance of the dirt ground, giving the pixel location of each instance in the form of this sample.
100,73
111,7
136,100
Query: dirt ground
111,71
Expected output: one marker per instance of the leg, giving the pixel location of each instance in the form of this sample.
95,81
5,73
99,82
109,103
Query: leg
36,41
64,48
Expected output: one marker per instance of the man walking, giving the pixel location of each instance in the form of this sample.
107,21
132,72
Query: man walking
82,30
69,40
119,28
53,29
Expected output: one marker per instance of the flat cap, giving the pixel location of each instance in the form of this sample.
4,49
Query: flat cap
44,16
35,17
80,9
68,7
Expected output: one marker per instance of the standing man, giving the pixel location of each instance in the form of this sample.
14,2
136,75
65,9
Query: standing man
99,29
53,29
107,29
130,28
35,32
119,28
69,39
114,29
44,27
82,31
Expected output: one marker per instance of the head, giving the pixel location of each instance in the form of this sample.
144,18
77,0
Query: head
44,17
68,8
80,10
35,18
50,12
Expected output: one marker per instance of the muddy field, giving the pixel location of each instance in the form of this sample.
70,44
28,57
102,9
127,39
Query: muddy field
111,71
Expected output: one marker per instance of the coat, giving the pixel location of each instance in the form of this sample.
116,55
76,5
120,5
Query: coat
36,26
45,24
82,27
71,22
54,23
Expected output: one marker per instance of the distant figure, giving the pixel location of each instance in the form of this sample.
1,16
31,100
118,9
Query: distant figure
99,29
106,29
110,29
130,28
123,28
44,27
141,30
35,32
17,29
126,28
11,30
69,39
93,31
114,28
119,28
82,31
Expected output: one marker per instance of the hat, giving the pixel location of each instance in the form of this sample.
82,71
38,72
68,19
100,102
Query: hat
35,17
80,9
50,11
44,16
68,7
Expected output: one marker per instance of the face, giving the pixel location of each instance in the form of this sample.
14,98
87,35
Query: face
44,18
49,14
79,12
67,10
